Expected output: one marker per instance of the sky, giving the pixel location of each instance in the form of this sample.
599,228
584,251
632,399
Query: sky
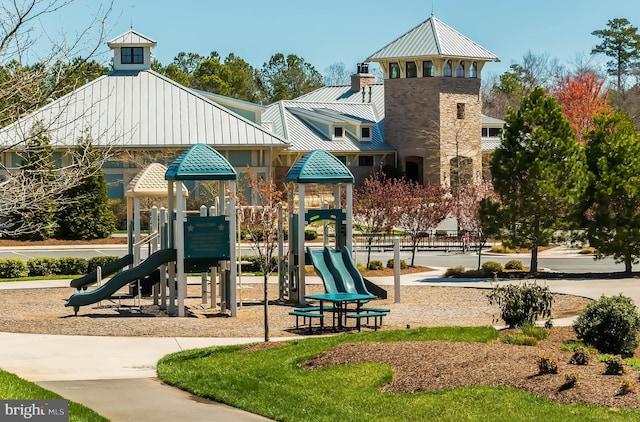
331,31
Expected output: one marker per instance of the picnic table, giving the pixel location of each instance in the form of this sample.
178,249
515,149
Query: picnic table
339,301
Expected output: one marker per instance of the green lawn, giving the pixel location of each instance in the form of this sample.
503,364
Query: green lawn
15,388
270,382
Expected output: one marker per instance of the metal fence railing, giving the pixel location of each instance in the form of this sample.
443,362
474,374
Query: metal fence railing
441,240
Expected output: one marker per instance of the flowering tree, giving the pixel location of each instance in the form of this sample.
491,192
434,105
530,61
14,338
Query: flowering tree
466,208
374,207
261,222
420,209
581,99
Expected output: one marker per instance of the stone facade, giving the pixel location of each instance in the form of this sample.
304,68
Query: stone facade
422,122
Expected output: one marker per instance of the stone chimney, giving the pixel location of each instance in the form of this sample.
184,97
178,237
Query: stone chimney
362,78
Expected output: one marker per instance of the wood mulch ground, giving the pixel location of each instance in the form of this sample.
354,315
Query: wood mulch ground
433,365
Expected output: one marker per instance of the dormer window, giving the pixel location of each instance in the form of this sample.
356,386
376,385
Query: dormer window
132,55
365,133
338,132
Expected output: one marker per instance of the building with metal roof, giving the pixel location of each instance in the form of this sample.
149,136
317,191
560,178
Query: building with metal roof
366,125
135,109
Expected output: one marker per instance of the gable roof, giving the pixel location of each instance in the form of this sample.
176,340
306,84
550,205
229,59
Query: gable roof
293,120
131,37
433,38
140,109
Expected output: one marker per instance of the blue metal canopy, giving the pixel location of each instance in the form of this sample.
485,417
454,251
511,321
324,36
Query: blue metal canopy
200,162
319,166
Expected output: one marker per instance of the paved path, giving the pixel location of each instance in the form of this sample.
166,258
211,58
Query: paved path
115,376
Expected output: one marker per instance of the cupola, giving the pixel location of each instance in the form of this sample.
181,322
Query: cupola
131,51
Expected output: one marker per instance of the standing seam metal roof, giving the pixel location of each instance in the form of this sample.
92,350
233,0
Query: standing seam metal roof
432,38
140,109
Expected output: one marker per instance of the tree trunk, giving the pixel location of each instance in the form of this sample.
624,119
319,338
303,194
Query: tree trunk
369,242
628,262
414,246
534,258
266,310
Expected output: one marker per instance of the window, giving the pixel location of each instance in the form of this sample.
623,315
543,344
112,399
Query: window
365,161
485,132
473,70
131,55
338,132
365,132
447,69
494,132
460,110
460,70
342,159
412,70
394,70
427,69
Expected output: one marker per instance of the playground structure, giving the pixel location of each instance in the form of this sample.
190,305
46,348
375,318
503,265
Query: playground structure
187,243
179,243
321,167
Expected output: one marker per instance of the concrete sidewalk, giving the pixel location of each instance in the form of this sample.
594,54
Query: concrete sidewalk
115,376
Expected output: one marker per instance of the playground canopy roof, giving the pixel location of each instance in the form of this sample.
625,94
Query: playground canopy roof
319,166
151,182
200,162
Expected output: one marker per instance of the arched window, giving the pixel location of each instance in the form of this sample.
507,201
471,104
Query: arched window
473,70
447,69
460,70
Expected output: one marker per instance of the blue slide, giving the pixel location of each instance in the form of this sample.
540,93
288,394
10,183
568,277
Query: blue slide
121,279
108,269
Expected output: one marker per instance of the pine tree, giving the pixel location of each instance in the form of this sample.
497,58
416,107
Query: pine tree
37,173
86,214
539,172
612,209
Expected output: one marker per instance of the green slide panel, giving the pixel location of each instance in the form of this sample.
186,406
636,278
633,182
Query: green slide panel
345,281
120,280
108,269
319,264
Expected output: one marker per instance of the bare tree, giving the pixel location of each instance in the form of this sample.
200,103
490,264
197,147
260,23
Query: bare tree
261,223
337,74
31,76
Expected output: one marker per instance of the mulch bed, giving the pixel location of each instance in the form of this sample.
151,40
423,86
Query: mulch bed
434,365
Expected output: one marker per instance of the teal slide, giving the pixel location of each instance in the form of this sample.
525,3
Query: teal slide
338,271
120,280
107,270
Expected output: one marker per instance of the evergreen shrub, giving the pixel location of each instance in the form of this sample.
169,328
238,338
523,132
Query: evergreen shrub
403,264
610,324
521,303
70,265
42,266
13,268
